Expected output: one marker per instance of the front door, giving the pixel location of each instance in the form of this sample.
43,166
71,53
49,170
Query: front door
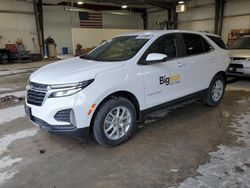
164,81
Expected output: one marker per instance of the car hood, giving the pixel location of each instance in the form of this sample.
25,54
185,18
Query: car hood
71,70
239,53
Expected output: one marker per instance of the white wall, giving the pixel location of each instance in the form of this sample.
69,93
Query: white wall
189,20
161,15
58,23
13,26
236,7
115,21
89,38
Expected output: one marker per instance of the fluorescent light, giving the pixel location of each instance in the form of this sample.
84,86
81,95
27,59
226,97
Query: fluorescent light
80,2
124,6
181,2
118,13
181,8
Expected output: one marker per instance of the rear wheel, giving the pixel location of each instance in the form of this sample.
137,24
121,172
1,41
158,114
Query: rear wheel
215,91
114,122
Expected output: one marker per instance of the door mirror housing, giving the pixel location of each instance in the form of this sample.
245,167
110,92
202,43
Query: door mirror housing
155,58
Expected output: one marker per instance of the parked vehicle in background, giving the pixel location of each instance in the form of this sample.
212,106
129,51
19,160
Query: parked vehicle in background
239,53
110,88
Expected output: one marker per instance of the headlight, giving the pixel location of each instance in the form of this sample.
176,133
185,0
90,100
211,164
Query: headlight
72,85
64,93
69,89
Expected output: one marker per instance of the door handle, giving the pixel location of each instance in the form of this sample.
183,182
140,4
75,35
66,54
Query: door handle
181,64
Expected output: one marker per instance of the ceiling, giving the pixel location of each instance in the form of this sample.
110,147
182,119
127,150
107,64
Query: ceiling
141,4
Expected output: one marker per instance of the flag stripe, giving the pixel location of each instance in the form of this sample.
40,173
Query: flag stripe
91,26
100,23
93,15
90,20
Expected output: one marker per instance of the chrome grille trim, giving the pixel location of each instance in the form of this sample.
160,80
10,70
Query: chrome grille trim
37,86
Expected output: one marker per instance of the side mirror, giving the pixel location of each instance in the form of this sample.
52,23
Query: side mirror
155,58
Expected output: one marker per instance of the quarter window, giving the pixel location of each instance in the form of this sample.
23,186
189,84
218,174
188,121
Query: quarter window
218,41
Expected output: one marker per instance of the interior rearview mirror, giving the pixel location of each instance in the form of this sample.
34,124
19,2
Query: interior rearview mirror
155,58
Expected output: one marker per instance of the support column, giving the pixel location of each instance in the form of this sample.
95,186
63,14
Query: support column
40,14
216,16
39,23
145,20
219,15
175,18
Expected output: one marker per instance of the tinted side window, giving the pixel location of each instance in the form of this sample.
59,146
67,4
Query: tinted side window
218,41
195,44
165,45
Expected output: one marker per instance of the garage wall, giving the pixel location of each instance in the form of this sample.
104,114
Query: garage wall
200,16
237,16
58,24
155,15
13,26
89,38
116,21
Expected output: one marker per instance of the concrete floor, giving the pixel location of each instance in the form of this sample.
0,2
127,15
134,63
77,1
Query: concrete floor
190,145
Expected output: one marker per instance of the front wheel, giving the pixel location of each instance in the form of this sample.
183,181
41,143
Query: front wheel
215,91
114,122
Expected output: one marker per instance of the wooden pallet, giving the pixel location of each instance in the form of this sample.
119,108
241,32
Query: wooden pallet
236,33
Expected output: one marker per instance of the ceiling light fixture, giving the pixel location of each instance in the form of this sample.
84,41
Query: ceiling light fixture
181,2
124,6
80,2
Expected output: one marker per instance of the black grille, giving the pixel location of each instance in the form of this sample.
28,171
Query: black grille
63,115
236,65
35,97
37,86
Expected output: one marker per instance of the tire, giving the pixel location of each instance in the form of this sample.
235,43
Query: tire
109,129
212,99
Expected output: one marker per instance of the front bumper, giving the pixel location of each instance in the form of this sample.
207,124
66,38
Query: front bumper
60,130
48,108
239,68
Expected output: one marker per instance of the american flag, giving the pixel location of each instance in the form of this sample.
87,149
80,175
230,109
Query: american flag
90,20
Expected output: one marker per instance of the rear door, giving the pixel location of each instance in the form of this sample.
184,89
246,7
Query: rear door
200,58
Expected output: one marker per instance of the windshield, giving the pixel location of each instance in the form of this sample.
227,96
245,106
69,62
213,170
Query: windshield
241,43
117,49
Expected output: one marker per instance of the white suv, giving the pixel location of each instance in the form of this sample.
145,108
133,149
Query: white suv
107,90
